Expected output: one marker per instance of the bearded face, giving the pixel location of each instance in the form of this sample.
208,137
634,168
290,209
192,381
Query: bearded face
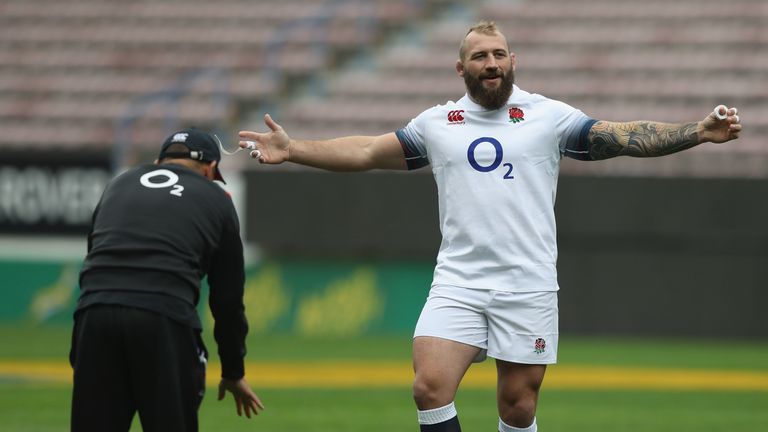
490,88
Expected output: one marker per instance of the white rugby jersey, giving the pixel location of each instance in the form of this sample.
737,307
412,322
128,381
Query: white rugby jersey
496,174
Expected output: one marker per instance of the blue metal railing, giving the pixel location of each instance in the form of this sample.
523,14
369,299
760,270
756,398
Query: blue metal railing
173,94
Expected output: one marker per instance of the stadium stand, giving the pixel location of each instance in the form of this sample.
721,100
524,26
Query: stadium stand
85,73
92,74
614,59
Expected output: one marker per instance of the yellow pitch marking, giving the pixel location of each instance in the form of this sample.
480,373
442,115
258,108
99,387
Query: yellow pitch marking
357,374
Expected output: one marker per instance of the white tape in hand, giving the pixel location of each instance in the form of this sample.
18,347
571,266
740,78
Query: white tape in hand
721,112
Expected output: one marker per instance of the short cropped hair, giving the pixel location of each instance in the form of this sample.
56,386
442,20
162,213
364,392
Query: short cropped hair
484,27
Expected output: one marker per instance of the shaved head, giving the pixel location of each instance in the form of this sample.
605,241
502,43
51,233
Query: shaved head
483,27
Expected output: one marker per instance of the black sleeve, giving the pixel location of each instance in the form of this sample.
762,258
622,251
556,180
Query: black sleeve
93,223
226,279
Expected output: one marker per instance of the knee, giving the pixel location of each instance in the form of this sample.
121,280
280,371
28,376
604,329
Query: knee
518,411
428,392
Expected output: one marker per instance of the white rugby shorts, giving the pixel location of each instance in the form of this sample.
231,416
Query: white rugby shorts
518,327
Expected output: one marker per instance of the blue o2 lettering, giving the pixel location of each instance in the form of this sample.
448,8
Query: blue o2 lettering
471,154
496,161
508,175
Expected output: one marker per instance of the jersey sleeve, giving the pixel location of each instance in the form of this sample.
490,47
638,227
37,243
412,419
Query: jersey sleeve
572,128
412,140
226,279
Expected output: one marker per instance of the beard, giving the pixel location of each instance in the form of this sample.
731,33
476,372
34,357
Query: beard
491,99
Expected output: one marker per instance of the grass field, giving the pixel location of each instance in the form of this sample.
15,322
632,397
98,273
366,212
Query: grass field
363,385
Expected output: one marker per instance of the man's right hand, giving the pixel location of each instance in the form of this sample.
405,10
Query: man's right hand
273,147
245,399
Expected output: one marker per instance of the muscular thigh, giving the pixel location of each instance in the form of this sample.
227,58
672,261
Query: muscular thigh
450,333
443,360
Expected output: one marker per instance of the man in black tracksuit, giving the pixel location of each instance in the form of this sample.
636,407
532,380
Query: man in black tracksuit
136,346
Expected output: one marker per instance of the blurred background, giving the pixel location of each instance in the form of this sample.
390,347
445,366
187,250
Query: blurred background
673,248
667,246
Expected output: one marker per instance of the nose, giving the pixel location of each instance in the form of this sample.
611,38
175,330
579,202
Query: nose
491,64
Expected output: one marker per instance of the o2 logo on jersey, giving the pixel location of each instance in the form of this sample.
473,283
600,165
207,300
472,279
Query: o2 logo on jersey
149,180
499,156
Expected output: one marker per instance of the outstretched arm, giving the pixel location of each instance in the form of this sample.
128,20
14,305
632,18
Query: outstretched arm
353,153
649,139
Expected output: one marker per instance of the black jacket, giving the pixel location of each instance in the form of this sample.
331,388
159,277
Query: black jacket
157,231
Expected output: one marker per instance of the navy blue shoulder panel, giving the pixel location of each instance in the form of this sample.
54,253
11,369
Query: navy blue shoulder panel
579,149
413,158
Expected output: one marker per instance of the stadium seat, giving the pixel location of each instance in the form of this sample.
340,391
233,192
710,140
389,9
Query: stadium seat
93,67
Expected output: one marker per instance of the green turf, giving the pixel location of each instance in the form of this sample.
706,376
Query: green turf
33,408
672,353
34,342
40,407
53,342
619,411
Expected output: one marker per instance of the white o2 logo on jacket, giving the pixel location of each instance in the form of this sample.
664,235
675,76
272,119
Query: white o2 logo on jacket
148,180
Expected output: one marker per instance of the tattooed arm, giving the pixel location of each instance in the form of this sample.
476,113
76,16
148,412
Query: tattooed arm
649,139
640,139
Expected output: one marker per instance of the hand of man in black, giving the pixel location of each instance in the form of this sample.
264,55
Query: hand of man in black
245,399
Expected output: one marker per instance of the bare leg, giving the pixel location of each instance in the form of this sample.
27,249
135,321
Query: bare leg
518,392
439,364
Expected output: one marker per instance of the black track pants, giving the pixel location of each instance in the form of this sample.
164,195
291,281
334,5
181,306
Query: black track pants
126,360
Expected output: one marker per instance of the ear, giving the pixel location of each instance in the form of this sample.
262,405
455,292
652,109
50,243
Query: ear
210,170
460,68
513,59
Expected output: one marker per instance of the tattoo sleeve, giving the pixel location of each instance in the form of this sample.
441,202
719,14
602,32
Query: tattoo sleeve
640,139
